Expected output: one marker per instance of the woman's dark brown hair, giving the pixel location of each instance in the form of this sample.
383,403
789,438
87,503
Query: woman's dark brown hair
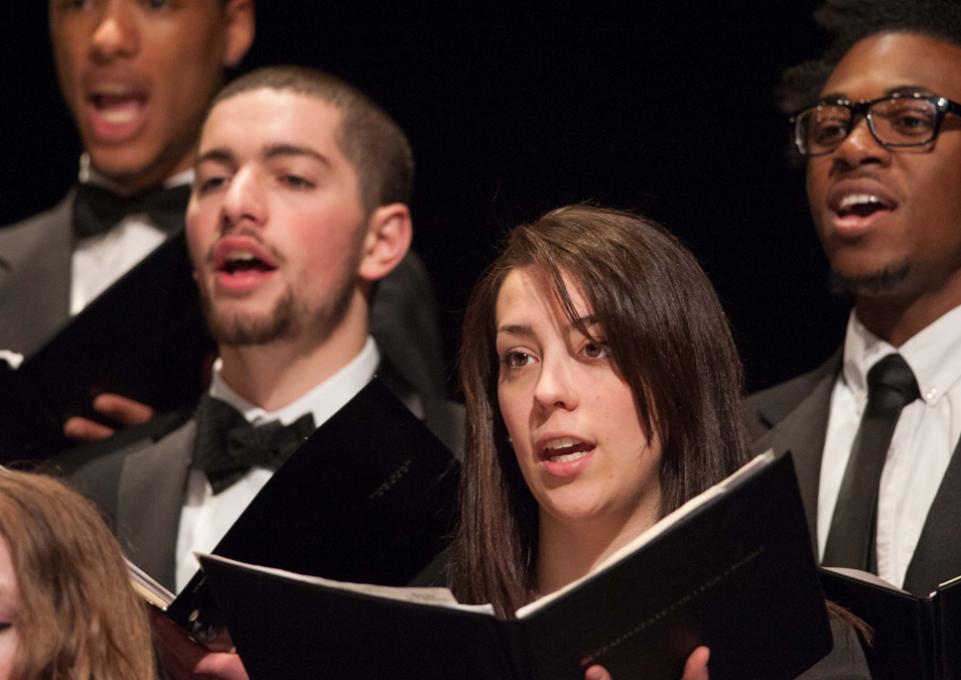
669,340
78,616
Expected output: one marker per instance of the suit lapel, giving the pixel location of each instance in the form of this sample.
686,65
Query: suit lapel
802,431
937,557
35,262
152,487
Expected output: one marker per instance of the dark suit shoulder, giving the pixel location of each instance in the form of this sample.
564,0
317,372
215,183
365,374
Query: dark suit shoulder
446,420
404,314
846,660
19,238
766,408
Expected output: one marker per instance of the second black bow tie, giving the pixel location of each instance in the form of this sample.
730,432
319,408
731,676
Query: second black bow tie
96,210
227,446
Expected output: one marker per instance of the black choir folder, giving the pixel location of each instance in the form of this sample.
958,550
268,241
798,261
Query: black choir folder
370,496
913,637
143,338
732,569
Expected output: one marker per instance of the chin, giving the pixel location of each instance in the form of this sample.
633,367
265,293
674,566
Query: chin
884,280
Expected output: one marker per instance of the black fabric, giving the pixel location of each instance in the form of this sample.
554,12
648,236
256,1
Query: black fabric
96,209
227,446
891,386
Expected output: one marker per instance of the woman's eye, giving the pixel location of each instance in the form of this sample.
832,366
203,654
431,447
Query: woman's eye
596,350
517,359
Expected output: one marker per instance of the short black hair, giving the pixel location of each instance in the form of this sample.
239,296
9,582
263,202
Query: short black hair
370,139
849,21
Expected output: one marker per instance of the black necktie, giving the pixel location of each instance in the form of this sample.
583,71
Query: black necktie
95,209
891,386
227,446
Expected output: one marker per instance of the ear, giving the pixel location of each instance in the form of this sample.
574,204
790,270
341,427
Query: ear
239,25
386,242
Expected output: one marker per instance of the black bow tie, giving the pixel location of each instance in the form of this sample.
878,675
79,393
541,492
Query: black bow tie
227,446
96,210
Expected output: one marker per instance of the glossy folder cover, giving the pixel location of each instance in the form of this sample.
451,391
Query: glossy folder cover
913,637
370,496
144,338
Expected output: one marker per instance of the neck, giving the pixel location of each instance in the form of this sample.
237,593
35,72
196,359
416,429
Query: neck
568,551
897,319
132,183
276,374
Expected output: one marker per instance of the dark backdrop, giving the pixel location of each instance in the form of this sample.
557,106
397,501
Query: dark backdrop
513,110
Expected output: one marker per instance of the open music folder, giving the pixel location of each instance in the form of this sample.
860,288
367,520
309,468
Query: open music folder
732,569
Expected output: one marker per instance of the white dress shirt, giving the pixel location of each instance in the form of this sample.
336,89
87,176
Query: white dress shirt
923,441
205,517
100,260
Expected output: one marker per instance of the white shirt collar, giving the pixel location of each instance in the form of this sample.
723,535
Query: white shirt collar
89,175
934,355
322,401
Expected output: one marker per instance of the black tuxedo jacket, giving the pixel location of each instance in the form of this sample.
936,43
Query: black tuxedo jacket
139,478
794,416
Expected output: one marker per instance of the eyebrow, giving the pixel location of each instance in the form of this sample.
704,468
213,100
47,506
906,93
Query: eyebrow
283,149
898,89
527,331
215,155
221,155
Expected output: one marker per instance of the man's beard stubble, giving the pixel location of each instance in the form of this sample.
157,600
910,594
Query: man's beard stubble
286,320
876,283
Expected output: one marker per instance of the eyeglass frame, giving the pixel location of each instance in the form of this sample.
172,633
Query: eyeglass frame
942,106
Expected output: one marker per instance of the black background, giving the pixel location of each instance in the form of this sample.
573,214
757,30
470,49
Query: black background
513,109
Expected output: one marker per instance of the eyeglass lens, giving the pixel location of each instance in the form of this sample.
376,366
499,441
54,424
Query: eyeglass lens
898,121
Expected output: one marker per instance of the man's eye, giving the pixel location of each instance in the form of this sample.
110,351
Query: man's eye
156,4
210,184
826,132
517,359
912,123
296,182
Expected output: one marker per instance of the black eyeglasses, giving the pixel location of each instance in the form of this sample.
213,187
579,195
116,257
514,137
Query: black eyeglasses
896,121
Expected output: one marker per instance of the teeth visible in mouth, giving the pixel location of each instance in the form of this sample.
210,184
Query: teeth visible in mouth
243,260
562,443
120,113
568,457
858,199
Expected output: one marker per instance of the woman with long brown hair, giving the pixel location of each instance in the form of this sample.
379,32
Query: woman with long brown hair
602,388
67,609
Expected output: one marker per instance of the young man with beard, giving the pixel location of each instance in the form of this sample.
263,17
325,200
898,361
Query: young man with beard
875,429
298,209
137,78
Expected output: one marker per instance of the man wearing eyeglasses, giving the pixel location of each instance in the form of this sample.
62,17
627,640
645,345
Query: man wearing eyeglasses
874,430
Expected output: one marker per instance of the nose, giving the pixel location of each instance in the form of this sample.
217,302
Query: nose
244,202
115,33
556,386
860,147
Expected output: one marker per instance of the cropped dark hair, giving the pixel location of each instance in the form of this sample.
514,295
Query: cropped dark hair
369,138
669,340
849,21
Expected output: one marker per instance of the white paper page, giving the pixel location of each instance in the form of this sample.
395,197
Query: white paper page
438,597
